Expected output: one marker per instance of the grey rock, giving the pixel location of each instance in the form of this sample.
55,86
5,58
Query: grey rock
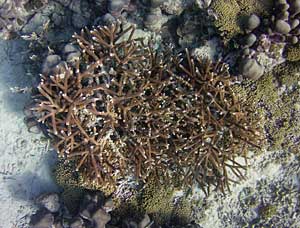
294,39
156,3
176,7
203,4
107,19
75,6
77,223
50,62
58,19
296,32
42,220
79,21
246,51
73,57
250,40
64,2
295,6
278,2
101,217
294,23
71,53
69,48
36,23
115,7
283,15
58,225
49,201
282,27
109,205
251,69
145,222
154,19
253,22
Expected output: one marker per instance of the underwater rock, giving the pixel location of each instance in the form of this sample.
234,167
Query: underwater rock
79,21
285,21
77,223
101,217
69,48
253,22
154,19
106,19
251,69
176,7
282,27
14,14
50,202
210,50
203,4
116,7
109,205
42,219
50,62
91,213
145,222
193,29
64,2
295,6
294,23
250,40
156,3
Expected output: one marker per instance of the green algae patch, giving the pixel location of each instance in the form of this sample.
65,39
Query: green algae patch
268,211
163,203
276,96
292,53
231,14
66,175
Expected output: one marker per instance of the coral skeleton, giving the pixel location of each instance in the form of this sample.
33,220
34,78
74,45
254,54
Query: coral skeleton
125,109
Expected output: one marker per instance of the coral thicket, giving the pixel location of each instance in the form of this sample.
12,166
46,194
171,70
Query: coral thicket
124,110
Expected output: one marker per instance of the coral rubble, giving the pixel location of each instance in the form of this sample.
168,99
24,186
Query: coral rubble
124,110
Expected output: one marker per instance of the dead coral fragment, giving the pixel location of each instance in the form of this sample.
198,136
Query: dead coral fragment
124,110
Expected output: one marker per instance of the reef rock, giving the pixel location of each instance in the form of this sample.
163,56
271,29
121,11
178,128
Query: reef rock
251,69
253,22
50,202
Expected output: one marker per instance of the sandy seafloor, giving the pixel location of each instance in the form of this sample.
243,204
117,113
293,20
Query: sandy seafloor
25,162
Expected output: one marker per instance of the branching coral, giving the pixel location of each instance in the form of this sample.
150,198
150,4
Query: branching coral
124,109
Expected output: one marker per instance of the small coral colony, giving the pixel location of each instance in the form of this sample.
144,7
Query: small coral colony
125,110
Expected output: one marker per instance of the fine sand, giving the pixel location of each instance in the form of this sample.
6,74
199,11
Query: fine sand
25,161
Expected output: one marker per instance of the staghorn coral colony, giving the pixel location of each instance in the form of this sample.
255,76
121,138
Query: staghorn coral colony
154,129
124,110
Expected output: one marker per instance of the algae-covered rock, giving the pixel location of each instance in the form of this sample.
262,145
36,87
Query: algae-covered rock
67,176
277,96
293,53
163,203
232,14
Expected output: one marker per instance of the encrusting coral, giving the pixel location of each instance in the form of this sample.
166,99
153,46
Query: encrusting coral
124,110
